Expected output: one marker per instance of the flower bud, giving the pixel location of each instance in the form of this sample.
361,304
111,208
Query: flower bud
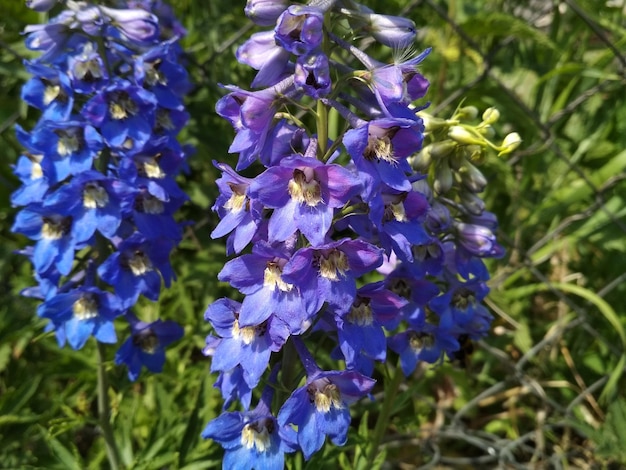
510,143
472,178
443,178
431,123
490,116
265,12
137,24
474,153
438,218
463,136
486,219
472,203
40,5
478,240
487,131
467,113
391,31
440,150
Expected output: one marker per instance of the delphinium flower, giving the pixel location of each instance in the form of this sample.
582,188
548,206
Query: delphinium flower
98,170
366,243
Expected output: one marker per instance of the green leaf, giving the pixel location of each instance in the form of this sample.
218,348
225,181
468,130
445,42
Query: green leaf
192,431
497,24
65,456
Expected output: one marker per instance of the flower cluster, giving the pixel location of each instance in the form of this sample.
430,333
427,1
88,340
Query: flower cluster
98,171
350,235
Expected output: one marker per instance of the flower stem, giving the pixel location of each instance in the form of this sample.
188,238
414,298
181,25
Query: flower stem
104,413
322,127
391,390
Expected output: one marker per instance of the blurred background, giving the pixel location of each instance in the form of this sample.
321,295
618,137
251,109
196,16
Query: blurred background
544,390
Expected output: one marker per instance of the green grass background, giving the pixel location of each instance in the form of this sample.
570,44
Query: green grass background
545,390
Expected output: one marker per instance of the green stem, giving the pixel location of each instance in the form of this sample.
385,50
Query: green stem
322,127
391,390
104,413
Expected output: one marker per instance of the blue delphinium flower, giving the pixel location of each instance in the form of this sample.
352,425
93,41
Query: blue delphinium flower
258,275
252,439
247,346
303,193
320,407
99,166
81,313
146,345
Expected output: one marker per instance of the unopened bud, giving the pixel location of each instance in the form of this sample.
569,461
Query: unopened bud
467,112
421,160
487,131
478,240
265,12
438,218
431,123
474,153
463,136
440,150
472,178
135,23
40,5
486,219
443,178
392,31
510,143
472,203
490,116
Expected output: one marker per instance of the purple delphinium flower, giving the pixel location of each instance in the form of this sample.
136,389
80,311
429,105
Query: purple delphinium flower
249,346
427,344
146,345
379,149
263,54
299,29
398,217
69,147
50,91
252,439
303,193
231,383
312,74
251,115
463,303
360,329
328,273
53,233
258,275
239,213
320,407
87,70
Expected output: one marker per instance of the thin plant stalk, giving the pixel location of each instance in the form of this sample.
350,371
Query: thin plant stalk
104,413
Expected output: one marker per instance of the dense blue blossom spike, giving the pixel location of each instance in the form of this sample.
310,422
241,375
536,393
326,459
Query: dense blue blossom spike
98,170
